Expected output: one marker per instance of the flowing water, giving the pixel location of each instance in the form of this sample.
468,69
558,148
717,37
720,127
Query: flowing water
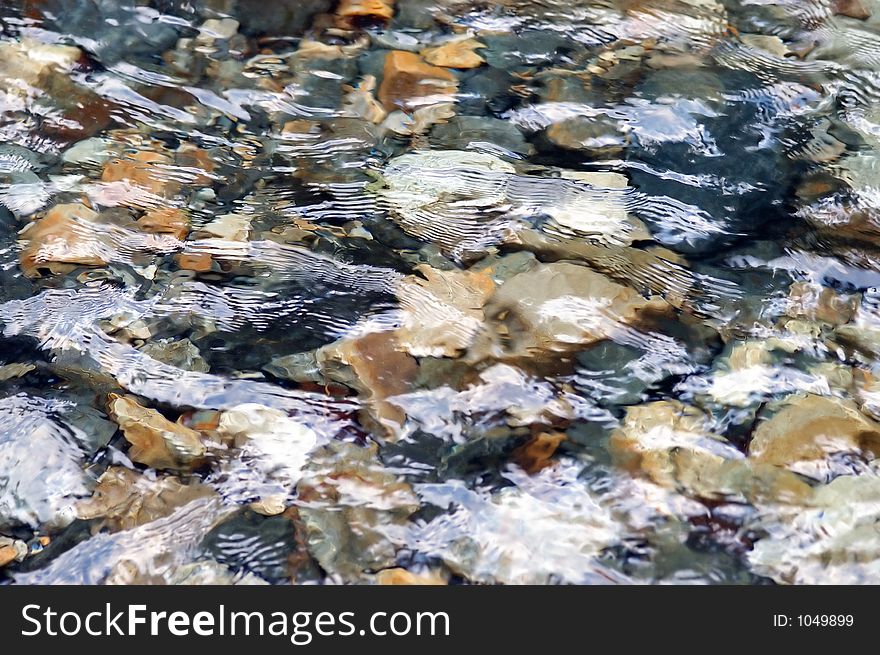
439,291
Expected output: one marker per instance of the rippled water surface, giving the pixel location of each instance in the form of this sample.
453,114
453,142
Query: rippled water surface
439,291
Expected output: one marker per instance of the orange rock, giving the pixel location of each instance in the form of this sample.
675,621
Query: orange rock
7,555
407,76
377,8
301,126
61,237
198,162
404,577
198,262
169,220
203,421
535,454
455,54
144,168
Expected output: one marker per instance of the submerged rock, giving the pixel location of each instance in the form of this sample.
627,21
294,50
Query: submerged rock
34,425
59,238
817,303
808,429
256,545
181,353
377,365
744,374
831,539
36,77
546,527
467,132
124,499
272,449
171,221
673,445
374,8
147,554
12,550
408,81
535,455
209,572
404,577
155,441
460,53
147,170
281,17
465,201
361,103
355,511
563,306
71,235
16,370
444,310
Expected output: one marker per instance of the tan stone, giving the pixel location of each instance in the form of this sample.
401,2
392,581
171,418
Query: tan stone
26,61
671,444
7,555
649,433
15,370
748,354
420,120
772,44
124,499
579,132
563,306
647,269
408,78
155,441
378,361
817,303
360,103
30,69
234,227
455,54
857,9
444,310
170,220
376,365
147,169
810,427
270,505
198,163
61,236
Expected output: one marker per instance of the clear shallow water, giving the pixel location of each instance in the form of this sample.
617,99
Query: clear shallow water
439,291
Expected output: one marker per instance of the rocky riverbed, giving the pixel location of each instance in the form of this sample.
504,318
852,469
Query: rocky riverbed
439,291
